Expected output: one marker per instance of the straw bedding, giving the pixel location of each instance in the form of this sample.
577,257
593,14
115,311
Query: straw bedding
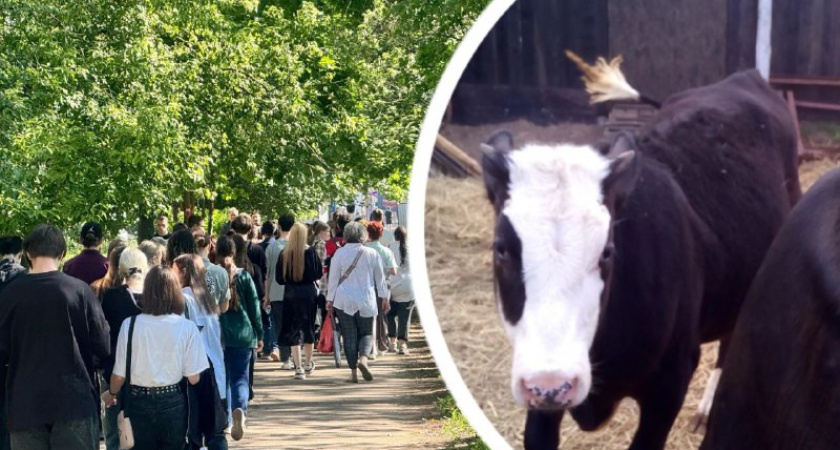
458,235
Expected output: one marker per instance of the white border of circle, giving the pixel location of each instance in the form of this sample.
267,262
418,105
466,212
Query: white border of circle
416,213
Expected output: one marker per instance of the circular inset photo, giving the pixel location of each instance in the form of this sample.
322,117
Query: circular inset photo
623,245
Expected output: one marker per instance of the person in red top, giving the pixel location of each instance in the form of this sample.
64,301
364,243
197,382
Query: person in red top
337,241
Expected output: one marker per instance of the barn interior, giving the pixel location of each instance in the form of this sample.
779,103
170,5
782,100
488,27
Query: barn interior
519,80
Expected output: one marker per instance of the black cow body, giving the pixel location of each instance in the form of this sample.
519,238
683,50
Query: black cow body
717,178
780,388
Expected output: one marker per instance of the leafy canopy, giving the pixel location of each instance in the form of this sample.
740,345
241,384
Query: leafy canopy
111,111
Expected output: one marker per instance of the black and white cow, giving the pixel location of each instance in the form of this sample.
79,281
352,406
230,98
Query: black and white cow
642,252
780,389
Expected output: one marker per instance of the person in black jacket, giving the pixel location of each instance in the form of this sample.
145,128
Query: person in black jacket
298,268
52,332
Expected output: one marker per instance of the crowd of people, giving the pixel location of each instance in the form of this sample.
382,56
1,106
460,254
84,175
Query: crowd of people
162,336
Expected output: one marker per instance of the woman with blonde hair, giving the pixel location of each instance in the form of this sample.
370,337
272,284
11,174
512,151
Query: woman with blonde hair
298,269
120,303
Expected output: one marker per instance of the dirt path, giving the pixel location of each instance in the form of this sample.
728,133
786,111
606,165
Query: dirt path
324,412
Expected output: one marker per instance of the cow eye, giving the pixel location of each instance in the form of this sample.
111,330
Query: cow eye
500,249
607,255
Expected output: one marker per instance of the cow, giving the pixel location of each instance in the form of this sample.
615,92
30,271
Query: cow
779,389
645,249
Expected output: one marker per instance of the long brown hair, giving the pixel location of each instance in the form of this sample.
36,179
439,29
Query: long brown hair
402,237
112,276
293,253
194,275
225,254
240,258
162,293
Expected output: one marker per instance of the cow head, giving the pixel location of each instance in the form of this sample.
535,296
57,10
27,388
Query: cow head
553,256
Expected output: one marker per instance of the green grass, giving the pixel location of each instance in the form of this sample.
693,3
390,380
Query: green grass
456,426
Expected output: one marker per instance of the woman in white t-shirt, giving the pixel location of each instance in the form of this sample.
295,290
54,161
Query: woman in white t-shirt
165,348
202,309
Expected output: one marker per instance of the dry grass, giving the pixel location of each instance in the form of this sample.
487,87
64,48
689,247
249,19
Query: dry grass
458,237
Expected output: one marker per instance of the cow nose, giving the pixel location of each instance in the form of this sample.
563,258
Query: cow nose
549,390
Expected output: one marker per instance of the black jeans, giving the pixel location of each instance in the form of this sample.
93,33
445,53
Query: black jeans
74,435
159,421
399,318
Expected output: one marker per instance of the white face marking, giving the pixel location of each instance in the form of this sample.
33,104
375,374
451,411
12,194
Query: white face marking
556,208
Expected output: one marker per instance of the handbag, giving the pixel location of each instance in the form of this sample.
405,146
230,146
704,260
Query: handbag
123,421
325,340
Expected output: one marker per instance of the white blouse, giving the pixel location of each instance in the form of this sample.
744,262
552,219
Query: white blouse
357,293
164,350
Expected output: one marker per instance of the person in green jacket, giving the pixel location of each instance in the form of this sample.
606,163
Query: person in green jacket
241,332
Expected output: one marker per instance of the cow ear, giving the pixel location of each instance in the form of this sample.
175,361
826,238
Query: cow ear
495,166
624,170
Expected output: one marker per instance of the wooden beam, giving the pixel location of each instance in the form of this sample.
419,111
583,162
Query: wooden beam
818,105
805,81
791,101
459,155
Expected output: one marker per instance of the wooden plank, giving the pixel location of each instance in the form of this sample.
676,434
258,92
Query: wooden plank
805,81
818,105
458,155
791,101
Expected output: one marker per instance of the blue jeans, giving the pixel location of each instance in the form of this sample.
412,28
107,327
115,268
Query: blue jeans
269,336
237,360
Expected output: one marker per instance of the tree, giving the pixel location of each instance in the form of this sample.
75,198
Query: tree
113,111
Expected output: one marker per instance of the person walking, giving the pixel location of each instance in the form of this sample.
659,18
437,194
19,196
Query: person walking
120,303
241,328
11,252
89,265
298,269
355,277
203,310
162,227
52,329
275,292
112,276
389,265
402,297
165,348
217,277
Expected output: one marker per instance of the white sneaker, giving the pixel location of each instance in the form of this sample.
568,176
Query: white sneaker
300,374
287,365
238,424
403,350
274,355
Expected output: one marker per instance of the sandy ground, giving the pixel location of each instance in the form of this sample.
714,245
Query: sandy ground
458,237
395,411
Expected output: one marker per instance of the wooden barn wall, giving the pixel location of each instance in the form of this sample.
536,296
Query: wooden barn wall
519,71
526,47
669,45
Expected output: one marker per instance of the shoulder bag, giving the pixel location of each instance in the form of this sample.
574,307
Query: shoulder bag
123,421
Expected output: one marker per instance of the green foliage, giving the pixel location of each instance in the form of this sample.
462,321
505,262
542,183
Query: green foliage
113,110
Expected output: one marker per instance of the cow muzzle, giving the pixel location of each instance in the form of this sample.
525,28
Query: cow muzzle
549,390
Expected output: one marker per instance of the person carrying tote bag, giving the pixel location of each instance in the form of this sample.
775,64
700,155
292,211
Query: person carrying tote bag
165,348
